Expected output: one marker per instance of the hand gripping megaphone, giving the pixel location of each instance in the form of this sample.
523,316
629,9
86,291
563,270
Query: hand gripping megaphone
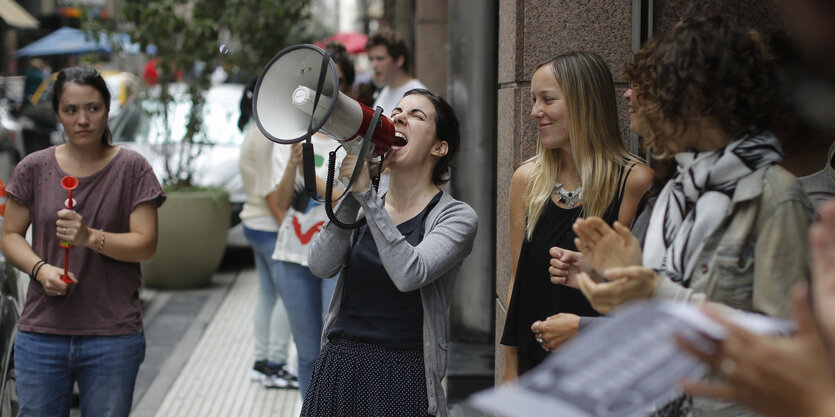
297,94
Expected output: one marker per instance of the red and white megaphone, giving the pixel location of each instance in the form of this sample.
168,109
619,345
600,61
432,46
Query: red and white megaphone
285,94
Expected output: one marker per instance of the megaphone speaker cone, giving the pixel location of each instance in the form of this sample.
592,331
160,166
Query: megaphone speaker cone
284,97
272,102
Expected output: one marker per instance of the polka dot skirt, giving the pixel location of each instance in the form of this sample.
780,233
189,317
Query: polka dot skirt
352,378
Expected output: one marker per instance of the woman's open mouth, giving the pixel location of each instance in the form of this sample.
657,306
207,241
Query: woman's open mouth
399,140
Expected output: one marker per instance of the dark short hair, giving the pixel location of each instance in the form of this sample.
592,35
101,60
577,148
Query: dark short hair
395,45
340,57
83,76
705,67
446,129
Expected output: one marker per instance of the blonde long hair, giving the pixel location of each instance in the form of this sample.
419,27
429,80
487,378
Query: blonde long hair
596,145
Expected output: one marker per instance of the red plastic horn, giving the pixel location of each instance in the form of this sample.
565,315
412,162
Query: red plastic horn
69,183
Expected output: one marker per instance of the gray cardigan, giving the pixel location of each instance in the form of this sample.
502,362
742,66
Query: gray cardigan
431,266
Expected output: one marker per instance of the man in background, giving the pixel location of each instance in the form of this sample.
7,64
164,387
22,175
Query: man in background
391,62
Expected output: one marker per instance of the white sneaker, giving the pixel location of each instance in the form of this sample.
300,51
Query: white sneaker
260,371
280,378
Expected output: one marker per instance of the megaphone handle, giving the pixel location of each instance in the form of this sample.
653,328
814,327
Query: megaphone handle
309,168
308,159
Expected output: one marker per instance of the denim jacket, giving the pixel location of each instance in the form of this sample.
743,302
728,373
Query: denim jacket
753,258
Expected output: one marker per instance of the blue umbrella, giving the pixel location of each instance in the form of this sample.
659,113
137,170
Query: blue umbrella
70,41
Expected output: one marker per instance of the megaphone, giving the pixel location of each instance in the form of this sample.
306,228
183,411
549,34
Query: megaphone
297,94
286,107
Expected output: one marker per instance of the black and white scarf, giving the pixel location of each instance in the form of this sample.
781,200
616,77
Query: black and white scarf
694,203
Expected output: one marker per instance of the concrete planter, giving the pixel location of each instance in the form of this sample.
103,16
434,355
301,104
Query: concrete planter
192,237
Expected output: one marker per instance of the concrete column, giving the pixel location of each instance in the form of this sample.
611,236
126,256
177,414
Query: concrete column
430,48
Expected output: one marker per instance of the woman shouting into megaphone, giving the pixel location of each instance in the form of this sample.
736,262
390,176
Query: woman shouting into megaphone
385,337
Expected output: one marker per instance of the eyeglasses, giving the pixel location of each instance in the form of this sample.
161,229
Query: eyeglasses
633,85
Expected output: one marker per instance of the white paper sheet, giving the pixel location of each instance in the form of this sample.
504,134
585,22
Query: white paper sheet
625,366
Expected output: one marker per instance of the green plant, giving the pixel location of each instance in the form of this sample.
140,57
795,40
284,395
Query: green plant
191,38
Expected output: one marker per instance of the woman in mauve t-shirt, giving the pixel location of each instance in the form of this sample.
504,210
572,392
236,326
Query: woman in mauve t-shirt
86,328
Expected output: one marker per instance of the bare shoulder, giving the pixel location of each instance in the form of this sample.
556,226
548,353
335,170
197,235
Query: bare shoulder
518,194
522,174
639,179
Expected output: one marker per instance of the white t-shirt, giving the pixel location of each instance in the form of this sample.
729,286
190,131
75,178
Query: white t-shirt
255,165
389,97
300,226
820,186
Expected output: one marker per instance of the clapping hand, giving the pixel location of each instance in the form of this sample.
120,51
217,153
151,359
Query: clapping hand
625,284
604,247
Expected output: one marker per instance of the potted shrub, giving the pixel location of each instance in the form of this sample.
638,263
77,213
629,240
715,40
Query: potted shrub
190,39
194,221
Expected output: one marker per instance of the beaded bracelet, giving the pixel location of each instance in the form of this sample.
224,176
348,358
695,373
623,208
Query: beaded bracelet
101,244
35,267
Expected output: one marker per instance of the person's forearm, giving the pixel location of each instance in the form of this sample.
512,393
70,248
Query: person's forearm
320,189
285,188
511,362
125,247
330,248
272,205
18,252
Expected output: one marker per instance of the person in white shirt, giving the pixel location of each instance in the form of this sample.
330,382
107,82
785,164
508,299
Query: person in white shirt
391,63
390,60
305,296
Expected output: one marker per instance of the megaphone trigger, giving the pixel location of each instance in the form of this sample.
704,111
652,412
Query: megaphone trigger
309,169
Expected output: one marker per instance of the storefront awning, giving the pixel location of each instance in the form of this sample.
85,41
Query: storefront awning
71,41
17,16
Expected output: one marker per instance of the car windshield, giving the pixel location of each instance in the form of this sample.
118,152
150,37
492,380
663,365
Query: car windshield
143,120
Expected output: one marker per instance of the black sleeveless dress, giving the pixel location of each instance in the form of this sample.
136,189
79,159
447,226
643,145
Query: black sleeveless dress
534,296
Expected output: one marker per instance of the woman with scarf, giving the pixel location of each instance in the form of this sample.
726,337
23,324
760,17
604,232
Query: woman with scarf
719,229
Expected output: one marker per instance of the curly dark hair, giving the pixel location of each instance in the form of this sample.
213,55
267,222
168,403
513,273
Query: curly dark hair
708,68
395,45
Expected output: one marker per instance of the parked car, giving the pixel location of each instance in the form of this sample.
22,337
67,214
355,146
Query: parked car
141,127
13,284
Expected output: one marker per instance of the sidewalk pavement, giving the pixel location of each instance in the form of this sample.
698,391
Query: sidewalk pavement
200,350
199,353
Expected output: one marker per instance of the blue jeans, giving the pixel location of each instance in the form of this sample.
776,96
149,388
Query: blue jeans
105,368
306,297
272,327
